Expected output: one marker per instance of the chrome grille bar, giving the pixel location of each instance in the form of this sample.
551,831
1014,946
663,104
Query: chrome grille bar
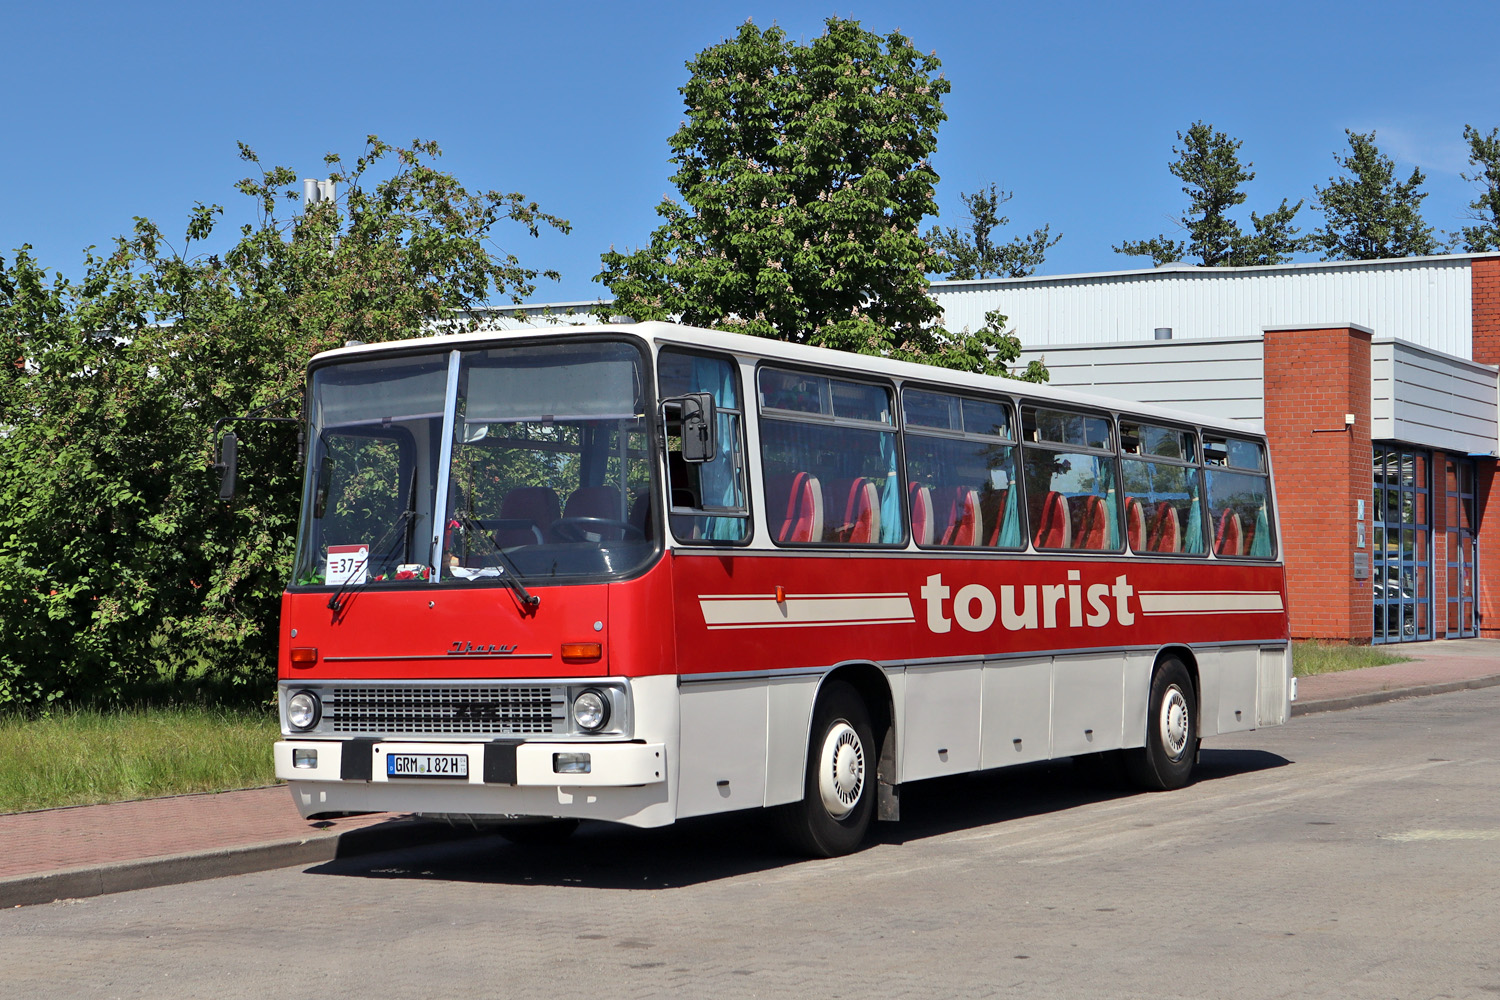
446,709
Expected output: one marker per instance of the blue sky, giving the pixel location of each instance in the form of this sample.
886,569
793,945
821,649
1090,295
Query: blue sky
118,110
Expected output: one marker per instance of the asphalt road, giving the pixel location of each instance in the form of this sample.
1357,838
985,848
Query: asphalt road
1349,854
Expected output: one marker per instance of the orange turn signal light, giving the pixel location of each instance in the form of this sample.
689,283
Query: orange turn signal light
582,651
304,656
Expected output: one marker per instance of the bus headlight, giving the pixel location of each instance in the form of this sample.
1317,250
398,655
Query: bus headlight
303,710
591,711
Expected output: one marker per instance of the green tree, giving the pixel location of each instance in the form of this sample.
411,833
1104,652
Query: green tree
1209,165
975,254
1484,153
119,567
1370,214
804,172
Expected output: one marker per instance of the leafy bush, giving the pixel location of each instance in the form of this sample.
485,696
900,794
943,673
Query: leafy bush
120,568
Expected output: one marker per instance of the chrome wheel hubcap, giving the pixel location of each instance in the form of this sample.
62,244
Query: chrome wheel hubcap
1174,723
841,770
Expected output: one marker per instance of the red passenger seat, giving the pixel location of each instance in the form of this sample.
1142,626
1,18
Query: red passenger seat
1090,527
1054,527
962,521
1166,532
531,511
599,502
861,524
801,498
1135,524
1230,539
921,513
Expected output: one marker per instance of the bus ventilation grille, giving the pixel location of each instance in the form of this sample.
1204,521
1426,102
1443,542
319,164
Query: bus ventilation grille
510,710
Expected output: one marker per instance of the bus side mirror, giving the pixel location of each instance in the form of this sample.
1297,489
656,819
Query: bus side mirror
699,427
227,463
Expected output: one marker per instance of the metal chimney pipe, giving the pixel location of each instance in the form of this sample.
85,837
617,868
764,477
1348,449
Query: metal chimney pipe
1164,333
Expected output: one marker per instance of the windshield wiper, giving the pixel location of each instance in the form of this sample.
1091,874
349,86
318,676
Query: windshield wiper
508,574
334,602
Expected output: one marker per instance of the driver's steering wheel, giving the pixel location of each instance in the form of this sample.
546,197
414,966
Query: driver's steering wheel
577,529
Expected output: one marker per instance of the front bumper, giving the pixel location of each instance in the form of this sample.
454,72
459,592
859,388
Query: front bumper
611,764
626,783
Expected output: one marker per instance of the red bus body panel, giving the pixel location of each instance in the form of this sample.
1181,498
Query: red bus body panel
701,612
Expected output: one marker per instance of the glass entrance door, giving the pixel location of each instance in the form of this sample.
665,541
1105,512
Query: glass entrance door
1401,549
1459,475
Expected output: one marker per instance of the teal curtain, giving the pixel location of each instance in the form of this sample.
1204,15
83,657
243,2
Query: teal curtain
890,493
1261,545
717,478
1111,502
1010,531
1193,537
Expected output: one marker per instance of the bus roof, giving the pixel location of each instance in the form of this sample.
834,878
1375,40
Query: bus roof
762,348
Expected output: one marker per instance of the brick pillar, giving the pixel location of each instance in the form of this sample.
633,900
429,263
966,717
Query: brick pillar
1484,277
1484,290
1312,378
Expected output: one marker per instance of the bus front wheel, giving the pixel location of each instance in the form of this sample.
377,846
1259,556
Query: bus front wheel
838,792
1166,761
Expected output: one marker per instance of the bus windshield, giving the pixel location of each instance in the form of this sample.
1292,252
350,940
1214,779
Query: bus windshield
536,459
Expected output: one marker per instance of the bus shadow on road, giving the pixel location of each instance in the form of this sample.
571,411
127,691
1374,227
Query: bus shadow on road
707,849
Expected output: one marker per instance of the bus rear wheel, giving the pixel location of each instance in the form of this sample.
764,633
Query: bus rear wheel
838,792
1167,759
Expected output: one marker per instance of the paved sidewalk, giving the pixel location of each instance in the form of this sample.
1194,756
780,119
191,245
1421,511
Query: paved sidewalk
92,850
1434,668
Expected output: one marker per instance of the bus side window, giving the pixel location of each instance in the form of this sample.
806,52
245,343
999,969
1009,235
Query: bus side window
707,502
1163,489
828,457
961,471
1239,498
1071,491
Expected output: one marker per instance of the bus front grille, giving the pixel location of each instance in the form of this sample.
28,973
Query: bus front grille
442,710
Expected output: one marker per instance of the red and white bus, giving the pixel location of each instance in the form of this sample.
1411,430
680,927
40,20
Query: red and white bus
644,572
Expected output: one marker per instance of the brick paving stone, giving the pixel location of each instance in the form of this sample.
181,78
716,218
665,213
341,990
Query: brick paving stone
60,839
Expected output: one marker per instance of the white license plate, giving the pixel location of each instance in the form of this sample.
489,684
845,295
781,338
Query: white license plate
427,765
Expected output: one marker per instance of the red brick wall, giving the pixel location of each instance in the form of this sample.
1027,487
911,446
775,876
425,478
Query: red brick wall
1485,286
1313,378
1484,278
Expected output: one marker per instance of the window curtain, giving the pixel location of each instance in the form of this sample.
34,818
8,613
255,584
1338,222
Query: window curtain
890,493
1010,531
717,478
1193,537
1262,544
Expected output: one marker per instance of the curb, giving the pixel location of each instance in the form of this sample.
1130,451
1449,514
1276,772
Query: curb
1393,694
195,866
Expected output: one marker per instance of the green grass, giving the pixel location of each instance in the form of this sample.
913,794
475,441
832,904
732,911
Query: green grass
82,757
1326,658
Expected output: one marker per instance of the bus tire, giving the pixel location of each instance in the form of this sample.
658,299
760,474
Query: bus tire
1167,759
838,792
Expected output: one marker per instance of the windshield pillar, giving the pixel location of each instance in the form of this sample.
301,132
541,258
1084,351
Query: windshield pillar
445,459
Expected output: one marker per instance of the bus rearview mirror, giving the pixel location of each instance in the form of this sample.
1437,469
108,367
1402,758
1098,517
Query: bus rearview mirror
228,460
699,427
